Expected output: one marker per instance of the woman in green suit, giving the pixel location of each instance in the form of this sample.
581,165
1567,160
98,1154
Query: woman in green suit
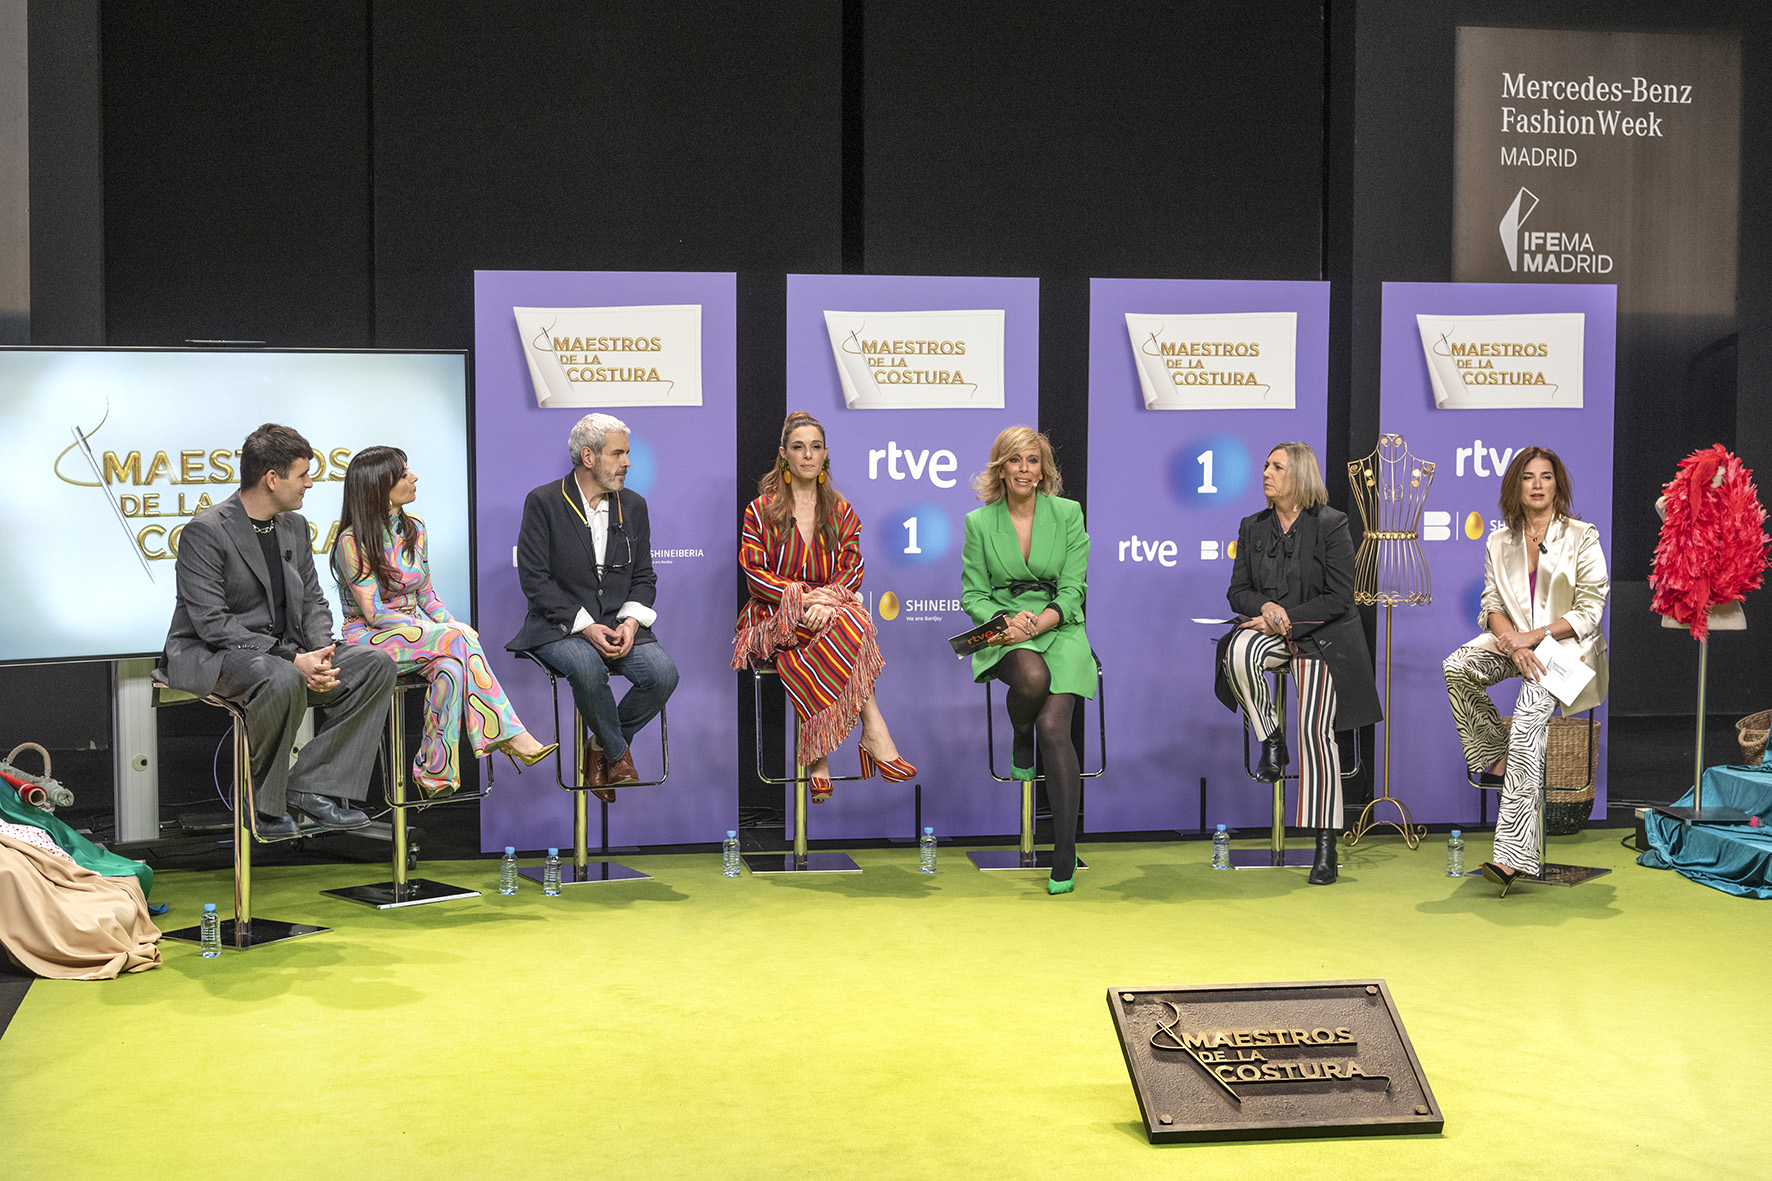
1026,553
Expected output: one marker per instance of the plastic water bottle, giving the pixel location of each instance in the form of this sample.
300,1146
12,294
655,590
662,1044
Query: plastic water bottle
1455,855
729,854
926,851
1221,849
550,874
507,871
209,932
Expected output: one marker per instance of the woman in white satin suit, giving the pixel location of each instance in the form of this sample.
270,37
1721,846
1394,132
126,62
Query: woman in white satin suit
1543,575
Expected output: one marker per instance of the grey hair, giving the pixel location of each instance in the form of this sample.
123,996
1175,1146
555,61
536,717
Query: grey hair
590,431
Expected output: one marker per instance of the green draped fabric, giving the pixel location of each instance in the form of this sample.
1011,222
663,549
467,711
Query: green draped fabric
83,851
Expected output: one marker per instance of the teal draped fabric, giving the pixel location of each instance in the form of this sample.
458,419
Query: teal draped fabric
83,851
1733,858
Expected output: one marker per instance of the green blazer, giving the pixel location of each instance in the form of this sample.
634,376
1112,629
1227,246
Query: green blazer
991,559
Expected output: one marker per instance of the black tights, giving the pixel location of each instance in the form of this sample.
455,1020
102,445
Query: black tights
1035,709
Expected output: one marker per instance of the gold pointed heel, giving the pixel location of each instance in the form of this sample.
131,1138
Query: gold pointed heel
520,760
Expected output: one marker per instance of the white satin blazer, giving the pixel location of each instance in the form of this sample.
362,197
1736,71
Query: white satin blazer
1572,585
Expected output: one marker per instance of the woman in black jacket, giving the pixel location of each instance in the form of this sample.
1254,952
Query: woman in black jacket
1293,586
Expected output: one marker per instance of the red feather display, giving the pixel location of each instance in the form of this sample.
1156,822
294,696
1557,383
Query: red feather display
1713,546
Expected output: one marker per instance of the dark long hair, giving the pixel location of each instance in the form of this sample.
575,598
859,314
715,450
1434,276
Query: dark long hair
780,514
371,477
1513,505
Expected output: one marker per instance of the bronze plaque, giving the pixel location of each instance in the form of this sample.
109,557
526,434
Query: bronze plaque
1272,1061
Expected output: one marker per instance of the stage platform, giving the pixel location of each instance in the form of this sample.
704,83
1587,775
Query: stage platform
891,1024
1734,858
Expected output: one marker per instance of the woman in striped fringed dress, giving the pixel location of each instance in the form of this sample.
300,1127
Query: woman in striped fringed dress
801,554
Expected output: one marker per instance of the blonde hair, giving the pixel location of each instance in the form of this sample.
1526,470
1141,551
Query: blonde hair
1307,478
1011,442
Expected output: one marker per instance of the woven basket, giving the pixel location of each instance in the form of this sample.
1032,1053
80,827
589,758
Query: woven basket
1750,734
1569,795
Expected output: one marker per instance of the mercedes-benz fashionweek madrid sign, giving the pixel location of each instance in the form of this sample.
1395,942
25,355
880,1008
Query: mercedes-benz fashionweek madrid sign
617,356
1504,362
930,360
1216,361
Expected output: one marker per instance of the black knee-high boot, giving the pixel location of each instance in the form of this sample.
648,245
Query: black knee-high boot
1323,869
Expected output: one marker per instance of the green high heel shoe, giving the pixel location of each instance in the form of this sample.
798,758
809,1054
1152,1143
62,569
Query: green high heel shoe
1064,887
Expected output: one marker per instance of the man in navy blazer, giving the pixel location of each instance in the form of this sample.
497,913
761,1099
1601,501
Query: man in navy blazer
584,558
251,625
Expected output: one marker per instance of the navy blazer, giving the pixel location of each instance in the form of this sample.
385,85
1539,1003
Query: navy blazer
557,566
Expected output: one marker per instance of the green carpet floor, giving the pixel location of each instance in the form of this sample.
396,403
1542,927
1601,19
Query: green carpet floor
892,1024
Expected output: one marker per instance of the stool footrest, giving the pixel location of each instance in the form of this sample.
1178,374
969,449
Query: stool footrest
1267,859
412,892
259,932
594,873
1553,874
997,860
766,863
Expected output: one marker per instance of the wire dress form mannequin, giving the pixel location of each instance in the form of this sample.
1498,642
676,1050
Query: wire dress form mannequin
1390,487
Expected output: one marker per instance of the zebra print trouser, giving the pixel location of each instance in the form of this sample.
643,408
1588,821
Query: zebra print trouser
1470,672
1249,655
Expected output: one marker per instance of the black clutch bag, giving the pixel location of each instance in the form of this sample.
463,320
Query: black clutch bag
968,642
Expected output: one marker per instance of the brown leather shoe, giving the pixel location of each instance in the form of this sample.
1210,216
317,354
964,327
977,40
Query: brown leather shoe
622,770
596,774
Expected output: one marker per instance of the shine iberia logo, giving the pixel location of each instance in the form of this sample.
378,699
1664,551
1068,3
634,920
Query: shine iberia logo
891,607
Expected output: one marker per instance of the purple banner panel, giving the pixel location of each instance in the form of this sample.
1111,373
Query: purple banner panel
910,419
1191,384
674,382
1470,448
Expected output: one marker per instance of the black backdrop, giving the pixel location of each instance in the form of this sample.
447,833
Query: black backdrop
333,174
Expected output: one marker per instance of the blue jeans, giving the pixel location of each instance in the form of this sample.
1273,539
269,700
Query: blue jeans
650,672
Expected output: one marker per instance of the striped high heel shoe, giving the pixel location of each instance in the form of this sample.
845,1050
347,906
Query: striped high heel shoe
892,771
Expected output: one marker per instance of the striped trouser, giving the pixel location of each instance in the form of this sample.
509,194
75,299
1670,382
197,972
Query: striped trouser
1250,655
1470,672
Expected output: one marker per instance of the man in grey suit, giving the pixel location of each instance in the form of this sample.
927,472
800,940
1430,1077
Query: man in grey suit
251,625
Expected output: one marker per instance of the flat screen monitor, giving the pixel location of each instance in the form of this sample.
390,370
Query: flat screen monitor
110,451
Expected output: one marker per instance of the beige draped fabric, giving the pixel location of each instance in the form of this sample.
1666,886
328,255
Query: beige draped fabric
60,920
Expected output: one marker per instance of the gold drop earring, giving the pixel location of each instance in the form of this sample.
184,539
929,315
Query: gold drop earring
787,475
823,470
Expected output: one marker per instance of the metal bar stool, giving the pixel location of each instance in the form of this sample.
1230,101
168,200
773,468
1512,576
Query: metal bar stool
1276,855
1025,856
584,871
1548,874
242,931
405,891
800,860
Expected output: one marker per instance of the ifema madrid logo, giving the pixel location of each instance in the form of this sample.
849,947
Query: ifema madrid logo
1550,252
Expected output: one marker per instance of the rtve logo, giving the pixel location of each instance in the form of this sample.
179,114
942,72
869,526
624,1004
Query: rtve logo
937,466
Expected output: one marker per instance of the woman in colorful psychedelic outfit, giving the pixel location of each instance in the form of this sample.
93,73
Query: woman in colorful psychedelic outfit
1543,575
389,603
801,554
1026,553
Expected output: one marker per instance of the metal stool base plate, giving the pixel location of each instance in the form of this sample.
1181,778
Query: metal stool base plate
1011,859
595,873
1710,814
1265,859
761,863
412,892
263,931
1552,874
